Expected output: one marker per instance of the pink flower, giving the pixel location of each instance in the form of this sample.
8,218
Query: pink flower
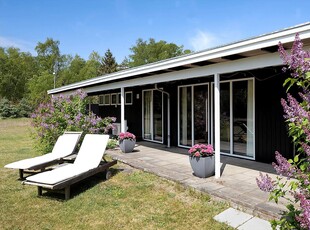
201,150
126,135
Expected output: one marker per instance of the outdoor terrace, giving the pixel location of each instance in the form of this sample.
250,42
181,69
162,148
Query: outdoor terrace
237,184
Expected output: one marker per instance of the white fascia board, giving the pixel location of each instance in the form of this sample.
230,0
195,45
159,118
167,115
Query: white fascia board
272,39
244,64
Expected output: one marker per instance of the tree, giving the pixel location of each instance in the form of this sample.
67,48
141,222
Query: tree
92,66
49,57
72,71
145,52
16,68
108,65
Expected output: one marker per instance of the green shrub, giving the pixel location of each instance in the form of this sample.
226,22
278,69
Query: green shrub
7,109
113,143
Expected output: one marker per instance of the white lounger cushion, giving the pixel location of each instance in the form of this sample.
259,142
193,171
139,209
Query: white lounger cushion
63,147
89,157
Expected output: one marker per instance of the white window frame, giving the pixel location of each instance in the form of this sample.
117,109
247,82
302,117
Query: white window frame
192,110
231,118
126,102
111,100
102,99
152,117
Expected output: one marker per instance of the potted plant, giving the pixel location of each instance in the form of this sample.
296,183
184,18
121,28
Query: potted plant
127,142
202,160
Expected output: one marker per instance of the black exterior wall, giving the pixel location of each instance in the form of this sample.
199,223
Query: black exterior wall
270,128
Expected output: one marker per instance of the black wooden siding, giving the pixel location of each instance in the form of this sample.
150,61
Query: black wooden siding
271,132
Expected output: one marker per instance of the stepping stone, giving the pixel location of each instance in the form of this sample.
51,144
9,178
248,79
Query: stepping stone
233,217
256,224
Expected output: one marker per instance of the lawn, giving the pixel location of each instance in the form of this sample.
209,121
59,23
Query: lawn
131,199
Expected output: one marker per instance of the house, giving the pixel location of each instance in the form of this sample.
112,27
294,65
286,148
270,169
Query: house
228,96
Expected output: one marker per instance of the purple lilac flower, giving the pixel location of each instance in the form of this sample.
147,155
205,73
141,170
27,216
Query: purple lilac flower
304,217
283,167
298,61
306,148
265,183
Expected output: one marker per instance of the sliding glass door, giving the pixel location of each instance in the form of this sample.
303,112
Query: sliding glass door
243,118
153,115
193,114
237,111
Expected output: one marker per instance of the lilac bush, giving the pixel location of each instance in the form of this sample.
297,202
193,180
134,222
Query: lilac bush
295,177
66,113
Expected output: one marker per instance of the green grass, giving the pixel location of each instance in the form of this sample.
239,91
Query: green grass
131,199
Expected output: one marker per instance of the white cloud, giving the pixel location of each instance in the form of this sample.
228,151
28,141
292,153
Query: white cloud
202,40
17,43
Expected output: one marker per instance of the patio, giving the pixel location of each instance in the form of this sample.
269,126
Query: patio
237,184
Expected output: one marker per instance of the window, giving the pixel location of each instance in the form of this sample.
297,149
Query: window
101,99
107,99
193,115
114,99
104,99
118,98
152,115
237,118
128,98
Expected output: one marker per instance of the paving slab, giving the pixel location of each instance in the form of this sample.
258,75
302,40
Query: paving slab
237,184
233,217
255,224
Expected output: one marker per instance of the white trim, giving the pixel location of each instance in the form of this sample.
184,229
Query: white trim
267,40
192,86
244,64
102,101
152,117
217,129
123,125
128,103
192,115
231,117
116,98
119,99
109,100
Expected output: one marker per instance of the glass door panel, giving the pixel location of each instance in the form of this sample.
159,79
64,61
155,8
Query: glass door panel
147,107
243,122
185,116
225,117
158,116
201,114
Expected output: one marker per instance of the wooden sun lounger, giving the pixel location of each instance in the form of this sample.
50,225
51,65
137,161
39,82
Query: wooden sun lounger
40,163
65,185
89,161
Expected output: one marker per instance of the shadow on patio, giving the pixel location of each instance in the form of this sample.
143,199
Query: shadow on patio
237,184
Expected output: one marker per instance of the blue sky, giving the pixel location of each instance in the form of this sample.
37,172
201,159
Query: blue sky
98,25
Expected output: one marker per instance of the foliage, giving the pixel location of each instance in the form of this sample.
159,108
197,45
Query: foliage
24,108
7,109
49,57
295,180
16,69
145,52
126,136
112,143
201,150
109,65
66,113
